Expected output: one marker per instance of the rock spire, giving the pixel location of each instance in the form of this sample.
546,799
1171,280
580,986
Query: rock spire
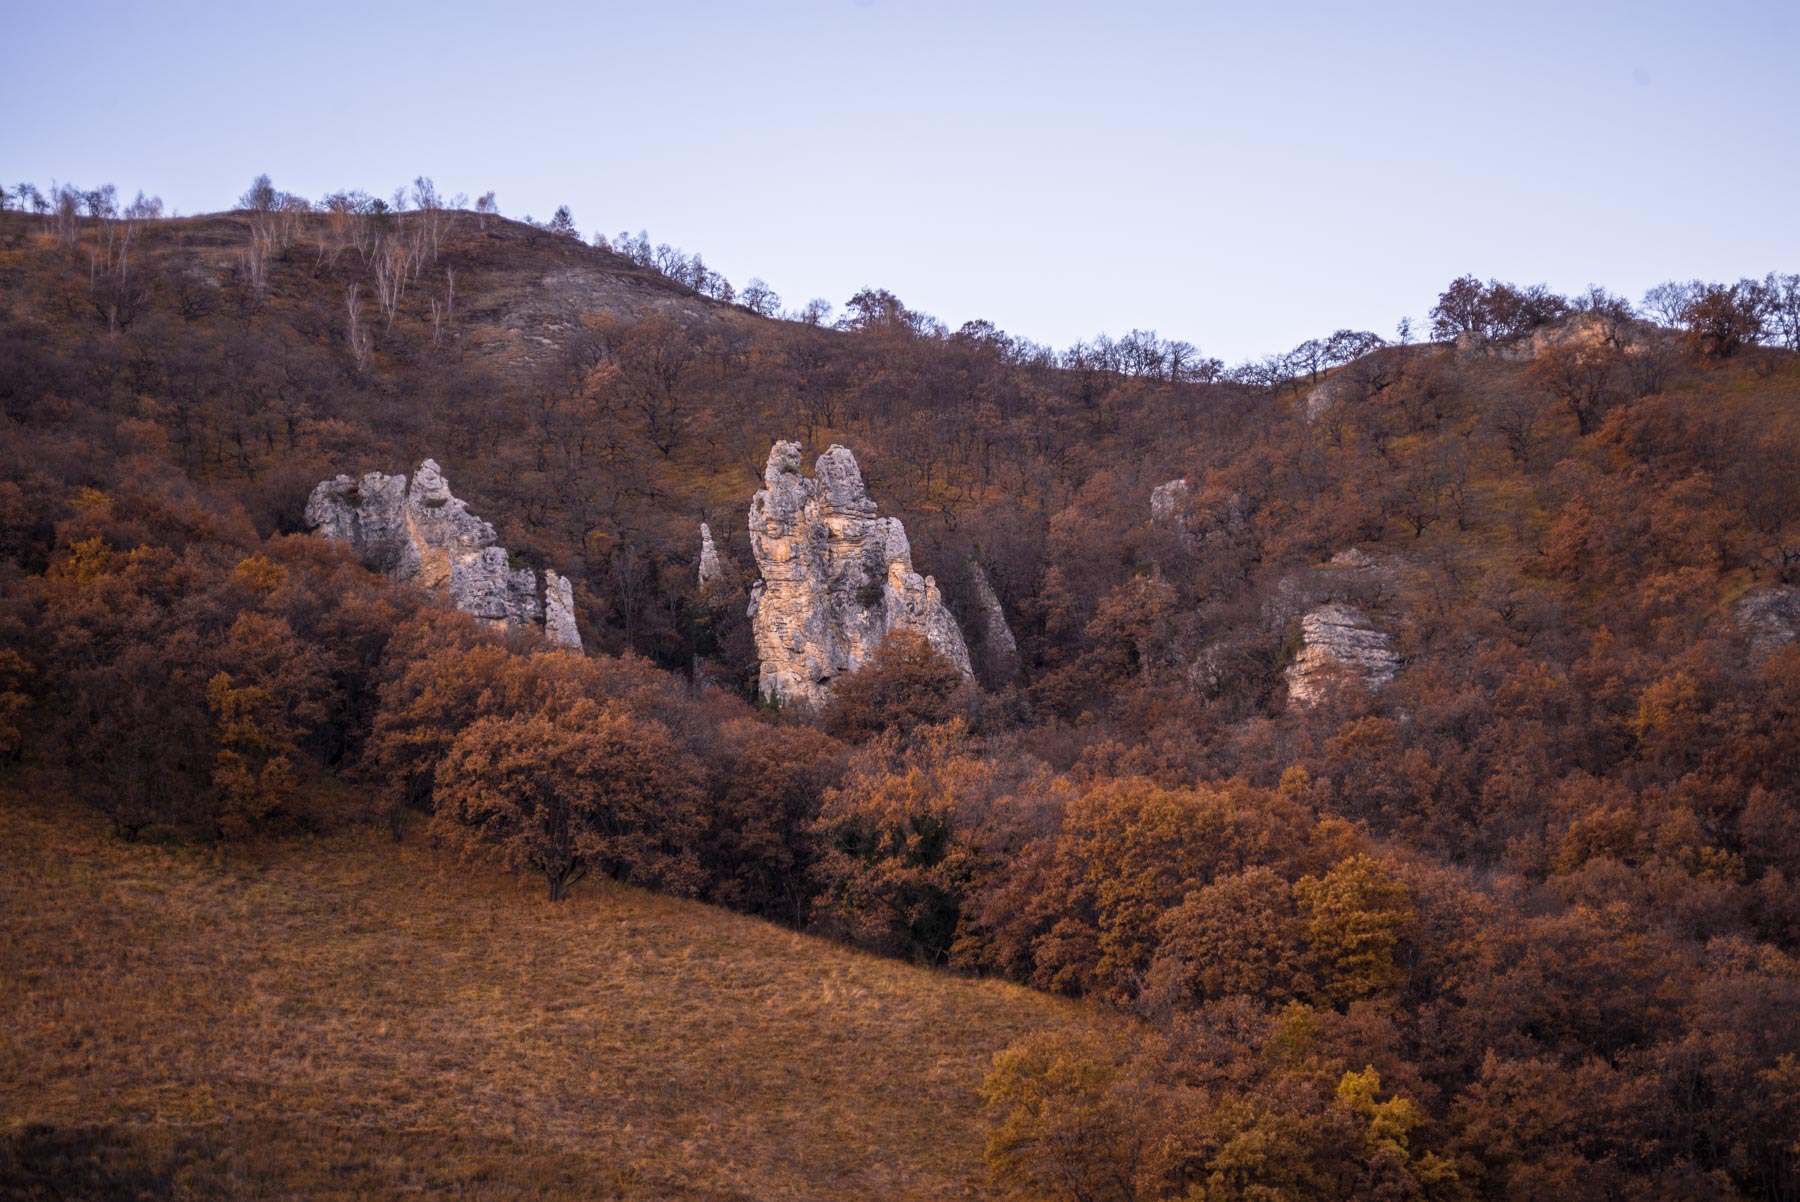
836,579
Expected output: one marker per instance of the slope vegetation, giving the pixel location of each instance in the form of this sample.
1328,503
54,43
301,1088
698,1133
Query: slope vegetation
335,1019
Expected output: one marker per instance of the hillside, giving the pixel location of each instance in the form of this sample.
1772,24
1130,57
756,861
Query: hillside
1404,737
337,1018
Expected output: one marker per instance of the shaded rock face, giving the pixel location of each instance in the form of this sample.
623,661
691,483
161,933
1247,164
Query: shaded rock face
836,579
424,535
1000,650
1322,396
1769,617
1167,500
559,610
1339,643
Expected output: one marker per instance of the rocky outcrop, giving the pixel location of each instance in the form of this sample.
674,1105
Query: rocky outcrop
712,569
559,610
1321,397
999,649
424,535
1339,643
1769,617
836,579
1168,499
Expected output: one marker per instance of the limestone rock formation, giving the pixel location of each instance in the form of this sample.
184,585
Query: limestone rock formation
1338,642
712,569
999,649
424,535
836,579
559,610
1167,500
1769,617
1322,396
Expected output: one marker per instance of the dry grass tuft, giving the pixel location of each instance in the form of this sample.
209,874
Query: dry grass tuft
342,1018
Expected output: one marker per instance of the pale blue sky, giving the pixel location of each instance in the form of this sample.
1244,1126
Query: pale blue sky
1243,176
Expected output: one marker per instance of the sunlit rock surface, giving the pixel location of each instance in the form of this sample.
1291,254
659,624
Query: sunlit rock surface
1339,644
425,535
836,579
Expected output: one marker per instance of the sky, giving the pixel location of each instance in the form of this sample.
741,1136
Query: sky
1242,175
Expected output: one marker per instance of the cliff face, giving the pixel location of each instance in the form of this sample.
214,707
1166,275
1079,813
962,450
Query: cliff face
1770,617
1339,643
836,579
424,535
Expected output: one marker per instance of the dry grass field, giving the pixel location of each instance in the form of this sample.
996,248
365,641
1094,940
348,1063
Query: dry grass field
342,1018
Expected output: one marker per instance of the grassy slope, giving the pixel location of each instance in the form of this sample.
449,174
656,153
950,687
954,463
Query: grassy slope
342,1018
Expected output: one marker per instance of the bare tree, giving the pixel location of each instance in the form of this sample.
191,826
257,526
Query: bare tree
260,197
1783,293
64,213
758,297
443,310
361,339
390,277
115,288
1518,419
1666,302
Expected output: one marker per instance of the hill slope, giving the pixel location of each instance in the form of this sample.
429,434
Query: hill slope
333,1019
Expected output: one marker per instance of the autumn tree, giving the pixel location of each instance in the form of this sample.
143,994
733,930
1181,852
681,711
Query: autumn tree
1354,918
1721,319
1238,934
564,793
1580,377
900,841
1072,1121
905,684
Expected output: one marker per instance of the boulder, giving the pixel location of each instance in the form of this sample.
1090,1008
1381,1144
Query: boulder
1168,499
559,610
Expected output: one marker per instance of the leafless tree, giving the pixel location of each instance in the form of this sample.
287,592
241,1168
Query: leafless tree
260,197
115,287
362,340
758,297
443,310
64,215
1668,301
390,277
1518,419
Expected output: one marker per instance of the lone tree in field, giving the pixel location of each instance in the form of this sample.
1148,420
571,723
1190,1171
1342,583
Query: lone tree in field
564,794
